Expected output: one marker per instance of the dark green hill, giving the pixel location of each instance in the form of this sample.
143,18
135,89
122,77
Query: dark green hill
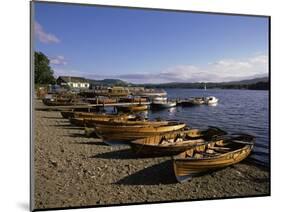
260,83
254,84
108,82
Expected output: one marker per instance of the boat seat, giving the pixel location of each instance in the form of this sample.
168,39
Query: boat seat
220,149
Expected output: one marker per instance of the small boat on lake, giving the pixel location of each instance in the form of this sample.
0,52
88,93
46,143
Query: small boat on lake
187,103
163,104
197,100
160,99
215,155
116,133
175,142
211,100
132,108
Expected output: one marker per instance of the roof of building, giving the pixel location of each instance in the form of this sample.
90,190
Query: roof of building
73,79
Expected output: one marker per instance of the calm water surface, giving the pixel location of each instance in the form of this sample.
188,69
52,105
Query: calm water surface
237,111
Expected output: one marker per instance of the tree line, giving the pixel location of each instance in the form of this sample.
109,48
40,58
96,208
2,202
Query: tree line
43,73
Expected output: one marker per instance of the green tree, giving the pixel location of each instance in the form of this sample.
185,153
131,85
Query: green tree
43,71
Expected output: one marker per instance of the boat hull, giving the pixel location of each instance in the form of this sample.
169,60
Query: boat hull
176,142
134,108
67,114
50,102
159,105
162,150
187,104
126,133
89,120
186,168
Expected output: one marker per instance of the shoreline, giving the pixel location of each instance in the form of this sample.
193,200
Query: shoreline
72,170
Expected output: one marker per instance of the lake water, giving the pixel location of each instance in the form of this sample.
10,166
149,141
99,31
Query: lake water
237,111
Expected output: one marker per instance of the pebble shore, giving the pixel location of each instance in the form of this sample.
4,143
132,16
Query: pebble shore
72,170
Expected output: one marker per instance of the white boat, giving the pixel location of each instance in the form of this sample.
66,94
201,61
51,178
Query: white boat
197,100
163,104
210,100
159,99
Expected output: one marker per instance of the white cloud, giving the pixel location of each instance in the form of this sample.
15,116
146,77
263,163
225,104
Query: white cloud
236,69
58,60
219,71
43,36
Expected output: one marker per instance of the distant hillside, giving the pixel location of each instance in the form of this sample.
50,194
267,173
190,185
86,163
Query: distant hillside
253,84
261,83
249,81
108,82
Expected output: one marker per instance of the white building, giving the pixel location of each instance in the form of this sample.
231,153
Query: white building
73,82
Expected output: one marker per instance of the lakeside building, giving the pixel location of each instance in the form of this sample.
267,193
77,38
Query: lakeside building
73,82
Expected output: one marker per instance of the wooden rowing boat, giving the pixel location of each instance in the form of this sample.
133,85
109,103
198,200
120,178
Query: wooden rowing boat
62,101
67,114
101,100
132,99
127,120
90,121
175,142
132,108
73,114
79,112
117,133
52,102
213,156
90,132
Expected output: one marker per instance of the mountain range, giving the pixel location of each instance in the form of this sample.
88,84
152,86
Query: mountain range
260,83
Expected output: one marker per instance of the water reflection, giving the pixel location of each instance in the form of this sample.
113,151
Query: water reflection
172,111
237,111
213,104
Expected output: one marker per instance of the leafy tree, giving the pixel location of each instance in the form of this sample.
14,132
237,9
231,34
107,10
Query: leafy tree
43,71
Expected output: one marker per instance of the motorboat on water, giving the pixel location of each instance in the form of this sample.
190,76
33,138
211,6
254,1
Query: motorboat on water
163,104
159,99
210,100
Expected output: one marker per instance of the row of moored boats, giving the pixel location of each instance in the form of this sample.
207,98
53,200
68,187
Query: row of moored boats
139,103
193,151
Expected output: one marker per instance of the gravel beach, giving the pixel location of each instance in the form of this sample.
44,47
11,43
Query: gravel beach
72,170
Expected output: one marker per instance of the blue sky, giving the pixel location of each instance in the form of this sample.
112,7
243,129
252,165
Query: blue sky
150,46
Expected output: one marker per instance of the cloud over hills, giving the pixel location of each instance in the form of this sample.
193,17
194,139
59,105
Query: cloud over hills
219,71
58,60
